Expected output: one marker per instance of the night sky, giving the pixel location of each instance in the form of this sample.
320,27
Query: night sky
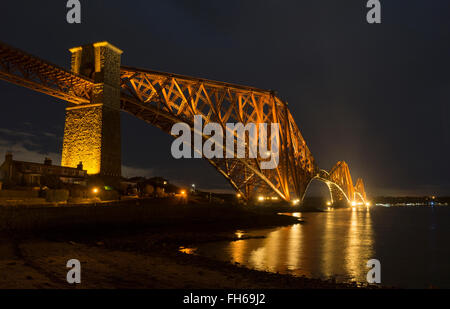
376,96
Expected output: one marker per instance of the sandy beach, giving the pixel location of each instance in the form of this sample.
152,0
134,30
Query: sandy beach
142,257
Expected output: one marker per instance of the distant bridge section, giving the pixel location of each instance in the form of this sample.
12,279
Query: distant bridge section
340,184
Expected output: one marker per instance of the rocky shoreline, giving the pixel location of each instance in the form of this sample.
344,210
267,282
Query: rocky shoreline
122,256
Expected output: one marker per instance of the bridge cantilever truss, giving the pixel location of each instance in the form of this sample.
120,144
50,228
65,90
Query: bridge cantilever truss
163,99
29,71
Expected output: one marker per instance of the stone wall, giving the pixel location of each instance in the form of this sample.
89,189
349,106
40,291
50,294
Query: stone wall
57,196
19,193
83,138
92,131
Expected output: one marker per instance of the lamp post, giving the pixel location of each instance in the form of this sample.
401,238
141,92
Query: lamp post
95,190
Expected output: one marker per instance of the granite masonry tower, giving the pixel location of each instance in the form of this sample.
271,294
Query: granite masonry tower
92,131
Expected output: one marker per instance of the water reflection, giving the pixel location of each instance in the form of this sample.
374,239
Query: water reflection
239,233
295,238
238,250
360,244
336,243
328,262
410,242
187,250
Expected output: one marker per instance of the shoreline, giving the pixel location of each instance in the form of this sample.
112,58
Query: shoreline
142,257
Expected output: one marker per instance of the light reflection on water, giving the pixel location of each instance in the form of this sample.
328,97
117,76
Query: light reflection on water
187,250
410,242
323,247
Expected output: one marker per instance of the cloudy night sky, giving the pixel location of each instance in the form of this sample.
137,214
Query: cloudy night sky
376,96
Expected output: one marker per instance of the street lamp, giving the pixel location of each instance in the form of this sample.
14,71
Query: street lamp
95,190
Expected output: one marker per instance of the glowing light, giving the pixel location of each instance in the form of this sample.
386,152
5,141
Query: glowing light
274,198
353,203
354,208
183,192
165,182
368,204
187,250
238,195
295,202
260,198
95,190
329,203
239,234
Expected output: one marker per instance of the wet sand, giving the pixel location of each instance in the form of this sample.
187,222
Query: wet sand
126,257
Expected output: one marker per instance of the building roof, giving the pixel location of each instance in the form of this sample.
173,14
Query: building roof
48,169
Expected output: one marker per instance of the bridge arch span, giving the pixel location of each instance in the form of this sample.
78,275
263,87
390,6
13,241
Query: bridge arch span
336,193
317,180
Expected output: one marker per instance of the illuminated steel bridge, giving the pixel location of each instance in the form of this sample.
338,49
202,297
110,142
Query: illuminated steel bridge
98,85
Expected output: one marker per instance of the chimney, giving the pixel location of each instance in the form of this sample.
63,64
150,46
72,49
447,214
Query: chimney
48,161
80,166
8,157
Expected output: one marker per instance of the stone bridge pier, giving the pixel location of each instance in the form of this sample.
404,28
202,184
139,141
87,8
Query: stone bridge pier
92,131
